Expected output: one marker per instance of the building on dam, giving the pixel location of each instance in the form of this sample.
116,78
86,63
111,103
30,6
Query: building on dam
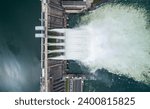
54,77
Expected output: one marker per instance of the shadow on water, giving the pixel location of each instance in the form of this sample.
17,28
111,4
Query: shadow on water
108,82
76,67
104,81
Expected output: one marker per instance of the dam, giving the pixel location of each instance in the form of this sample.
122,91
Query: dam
54,15
61,43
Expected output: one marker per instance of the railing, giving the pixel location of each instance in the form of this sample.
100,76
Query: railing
73,3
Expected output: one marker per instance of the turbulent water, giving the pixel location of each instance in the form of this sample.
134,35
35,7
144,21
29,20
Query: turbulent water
115,37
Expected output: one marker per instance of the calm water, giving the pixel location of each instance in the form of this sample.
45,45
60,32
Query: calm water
19,50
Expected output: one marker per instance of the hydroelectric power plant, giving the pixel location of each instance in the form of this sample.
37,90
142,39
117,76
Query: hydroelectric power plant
110,38
105,46
54,15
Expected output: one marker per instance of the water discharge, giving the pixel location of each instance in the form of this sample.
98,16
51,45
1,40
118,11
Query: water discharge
114,37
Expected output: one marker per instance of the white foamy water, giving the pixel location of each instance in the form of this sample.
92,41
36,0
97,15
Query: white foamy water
113,37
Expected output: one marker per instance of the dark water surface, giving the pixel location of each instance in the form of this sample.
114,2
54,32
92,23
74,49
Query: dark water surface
19,50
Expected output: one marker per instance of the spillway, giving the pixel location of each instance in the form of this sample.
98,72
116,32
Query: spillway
114,37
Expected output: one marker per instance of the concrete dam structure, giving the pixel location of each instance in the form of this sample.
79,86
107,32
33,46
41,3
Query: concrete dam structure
54,77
